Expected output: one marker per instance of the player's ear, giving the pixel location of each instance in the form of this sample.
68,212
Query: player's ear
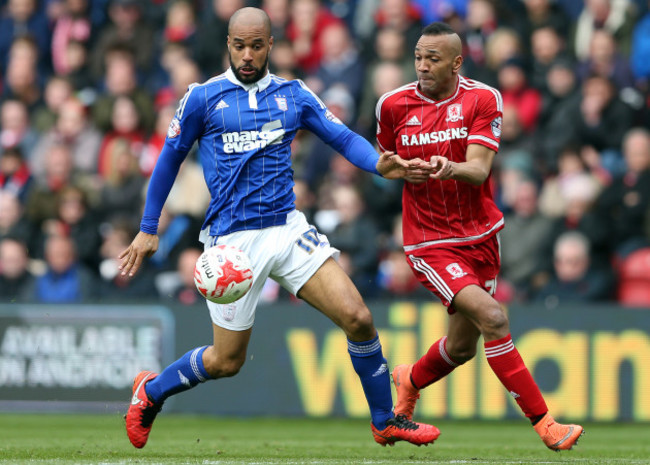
270,42
458,62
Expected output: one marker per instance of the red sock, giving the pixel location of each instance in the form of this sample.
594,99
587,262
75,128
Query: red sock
507,364
433,365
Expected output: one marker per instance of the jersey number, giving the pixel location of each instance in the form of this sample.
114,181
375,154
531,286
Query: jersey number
309,240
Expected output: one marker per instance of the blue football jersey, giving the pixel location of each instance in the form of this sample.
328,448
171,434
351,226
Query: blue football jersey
244,134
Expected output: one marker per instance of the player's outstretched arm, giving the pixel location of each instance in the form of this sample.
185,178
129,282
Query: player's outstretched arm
143,245
392,166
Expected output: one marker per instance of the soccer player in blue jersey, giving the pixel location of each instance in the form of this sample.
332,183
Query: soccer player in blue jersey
244,121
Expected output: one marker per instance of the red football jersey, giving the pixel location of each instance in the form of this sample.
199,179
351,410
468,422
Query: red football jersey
410,124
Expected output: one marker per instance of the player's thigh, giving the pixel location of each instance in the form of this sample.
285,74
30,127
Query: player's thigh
332,292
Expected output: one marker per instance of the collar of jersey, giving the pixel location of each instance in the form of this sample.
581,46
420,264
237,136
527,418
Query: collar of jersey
259,85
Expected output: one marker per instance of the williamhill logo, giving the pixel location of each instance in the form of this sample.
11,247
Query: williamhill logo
434,137
244,141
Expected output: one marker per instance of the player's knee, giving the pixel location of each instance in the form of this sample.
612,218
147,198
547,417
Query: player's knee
358,324
494,323
222,367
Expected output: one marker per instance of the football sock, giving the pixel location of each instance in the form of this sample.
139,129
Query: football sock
507,364
433,365
183,374
372,368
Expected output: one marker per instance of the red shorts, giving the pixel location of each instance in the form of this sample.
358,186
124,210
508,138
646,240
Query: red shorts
445,271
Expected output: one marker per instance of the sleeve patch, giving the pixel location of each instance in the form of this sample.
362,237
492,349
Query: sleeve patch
174,128
496,126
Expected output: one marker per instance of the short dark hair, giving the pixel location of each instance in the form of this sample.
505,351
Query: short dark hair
437,29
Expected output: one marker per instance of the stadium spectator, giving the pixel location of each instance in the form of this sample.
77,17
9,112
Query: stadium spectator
602,120
15,277
15,177
516,92
283,60
557,114
22,18
126,29
16,130
212,28
523,241
121,191
279,14
73,24
179,284
12,221
616,16
59,173
65,279
57,91
340,65
180,24
625,203
355,235
125,126
77,221
547,47
605,60
78,72
73,130
112,285
154,143
22,80
121,81
574,280
480,24
309,18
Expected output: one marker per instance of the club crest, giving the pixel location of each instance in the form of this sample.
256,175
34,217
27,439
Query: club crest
282,103
455,270
454,112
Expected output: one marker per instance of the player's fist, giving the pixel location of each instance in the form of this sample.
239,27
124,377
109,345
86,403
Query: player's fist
442,167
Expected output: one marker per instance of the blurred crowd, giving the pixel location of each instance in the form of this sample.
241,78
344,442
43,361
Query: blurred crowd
88,88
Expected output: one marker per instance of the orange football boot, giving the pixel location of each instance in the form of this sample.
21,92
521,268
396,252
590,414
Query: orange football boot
557,436
142,411
401,428
407,394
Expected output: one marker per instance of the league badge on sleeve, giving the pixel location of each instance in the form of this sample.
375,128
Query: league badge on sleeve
496,126
174,128
332,117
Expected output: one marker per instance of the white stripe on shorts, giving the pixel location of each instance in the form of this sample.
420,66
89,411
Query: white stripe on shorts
433,277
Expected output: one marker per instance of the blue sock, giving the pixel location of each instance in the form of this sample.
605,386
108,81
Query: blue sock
372,368
183,374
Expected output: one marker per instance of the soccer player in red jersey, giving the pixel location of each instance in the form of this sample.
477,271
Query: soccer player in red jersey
450,223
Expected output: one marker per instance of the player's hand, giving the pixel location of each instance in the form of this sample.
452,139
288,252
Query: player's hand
418,171
442,168
143,245
391,166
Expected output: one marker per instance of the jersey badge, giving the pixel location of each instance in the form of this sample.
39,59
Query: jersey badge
174,128
332,117
455,271
221,105
282,103
496,126
454,112
413,121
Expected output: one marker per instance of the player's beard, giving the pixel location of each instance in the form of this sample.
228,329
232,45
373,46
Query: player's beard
259,72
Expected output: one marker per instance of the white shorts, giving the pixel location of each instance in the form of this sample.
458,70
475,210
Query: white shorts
289,254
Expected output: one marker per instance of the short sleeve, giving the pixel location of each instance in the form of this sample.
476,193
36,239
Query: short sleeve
486,127
385,127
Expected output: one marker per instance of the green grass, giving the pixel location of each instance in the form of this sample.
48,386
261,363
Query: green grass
179,439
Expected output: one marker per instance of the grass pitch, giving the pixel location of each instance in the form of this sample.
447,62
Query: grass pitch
180,439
